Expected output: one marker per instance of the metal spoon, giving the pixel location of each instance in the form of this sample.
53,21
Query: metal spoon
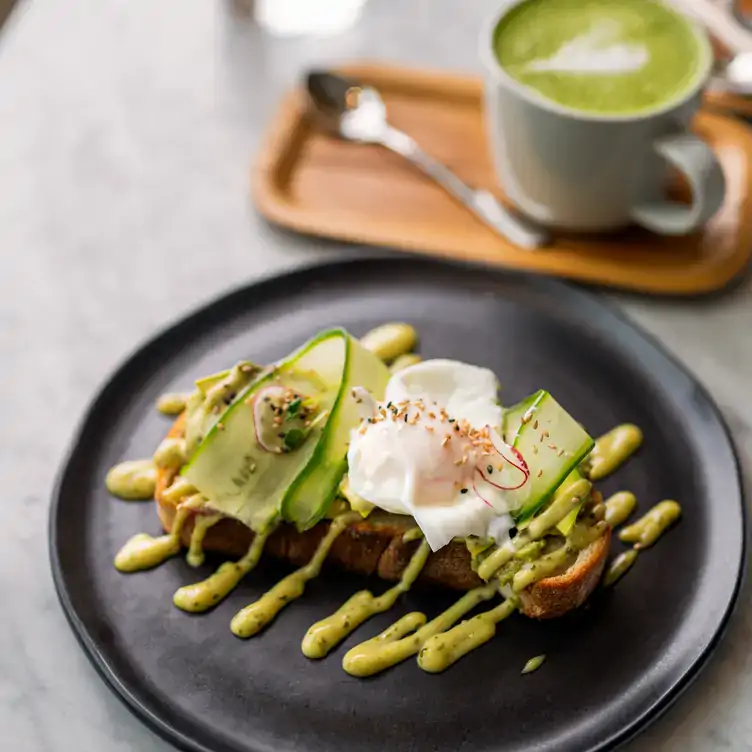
357,113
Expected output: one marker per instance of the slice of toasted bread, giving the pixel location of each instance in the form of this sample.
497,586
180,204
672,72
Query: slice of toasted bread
376,546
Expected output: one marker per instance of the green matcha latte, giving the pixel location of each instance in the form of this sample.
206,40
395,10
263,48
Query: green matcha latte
608,57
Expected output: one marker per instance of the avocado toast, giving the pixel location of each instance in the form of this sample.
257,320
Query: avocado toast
375,546
415,475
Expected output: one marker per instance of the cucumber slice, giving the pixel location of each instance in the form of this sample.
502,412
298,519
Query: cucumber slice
552,444
512,420
312,492
243,480
212,396
205,383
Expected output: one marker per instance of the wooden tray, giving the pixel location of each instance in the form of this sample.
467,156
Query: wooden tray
315,184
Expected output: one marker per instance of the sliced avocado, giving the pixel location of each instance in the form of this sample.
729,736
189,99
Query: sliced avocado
566,525
551,442
246,477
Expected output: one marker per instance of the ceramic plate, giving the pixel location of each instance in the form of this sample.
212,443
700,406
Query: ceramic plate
612,666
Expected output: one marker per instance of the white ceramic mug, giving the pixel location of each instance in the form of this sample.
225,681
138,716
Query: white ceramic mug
589,172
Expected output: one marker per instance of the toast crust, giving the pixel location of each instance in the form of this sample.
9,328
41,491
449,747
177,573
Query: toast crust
375,546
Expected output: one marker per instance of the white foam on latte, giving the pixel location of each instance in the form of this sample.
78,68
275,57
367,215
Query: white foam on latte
596,52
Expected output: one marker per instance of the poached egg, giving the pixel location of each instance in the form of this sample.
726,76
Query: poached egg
430,449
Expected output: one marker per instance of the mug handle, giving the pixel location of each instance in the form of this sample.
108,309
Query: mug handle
699,165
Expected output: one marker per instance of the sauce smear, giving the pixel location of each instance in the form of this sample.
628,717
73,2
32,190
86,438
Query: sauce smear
613,449
134,480
143,551
201,596
329,632
254,617
444,649
396,644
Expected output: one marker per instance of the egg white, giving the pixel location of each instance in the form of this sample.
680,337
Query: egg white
410,468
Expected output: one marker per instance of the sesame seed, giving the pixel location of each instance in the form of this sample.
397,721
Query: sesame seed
535,449
220,426
490,470
546,434
535,426
446,440
463,490
432,416
540,472
430,429
560,453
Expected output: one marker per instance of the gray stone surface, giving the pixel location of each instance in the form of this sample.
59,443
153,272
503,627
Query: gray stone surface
126,130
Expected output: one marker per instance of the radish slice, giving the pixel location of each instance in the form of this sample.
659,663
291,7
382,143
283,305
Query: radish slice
267,434
513,473
478,493
499,474
367,405
501,447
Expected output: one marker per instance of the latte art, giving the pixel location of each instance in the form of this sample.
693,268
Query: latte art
601,56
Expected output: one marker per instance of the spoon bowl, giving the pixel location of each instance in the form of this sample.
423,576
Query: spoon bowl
357,113
348,109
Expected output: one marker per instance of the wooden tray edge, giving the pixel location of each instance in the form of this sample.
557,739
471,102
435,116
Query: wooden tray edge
274,207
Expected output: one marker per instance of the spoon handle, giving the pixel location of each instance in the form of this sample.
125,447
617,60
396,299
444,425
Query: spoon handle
482,203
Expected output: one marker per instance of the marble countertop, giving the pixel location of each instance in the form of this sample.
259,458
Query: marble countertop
126,133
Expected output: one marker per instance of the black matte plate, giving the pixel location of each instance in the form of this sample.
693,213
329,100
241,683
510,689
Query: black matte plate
611,668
